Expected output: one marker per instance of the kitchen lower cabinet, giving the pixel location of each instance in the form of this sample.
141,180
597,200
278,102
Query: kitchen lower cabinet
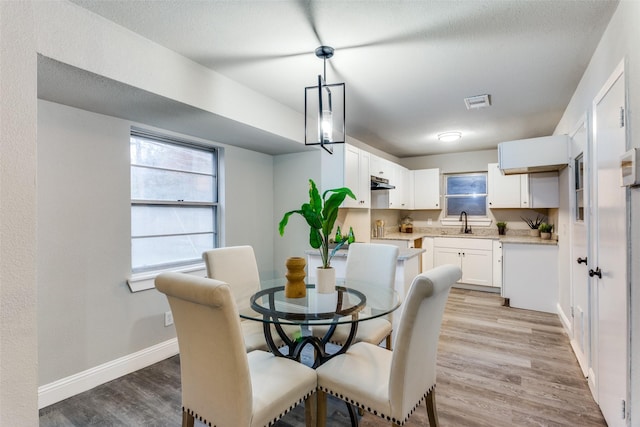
427,255
530,278
497,264
473,256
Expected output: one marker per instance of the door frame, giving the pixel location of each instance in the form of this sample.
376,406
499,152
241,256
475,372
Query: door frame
585,361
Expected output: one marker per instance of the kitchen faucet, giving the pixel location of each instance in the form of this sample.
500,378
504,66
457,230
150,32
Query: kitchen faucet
466,229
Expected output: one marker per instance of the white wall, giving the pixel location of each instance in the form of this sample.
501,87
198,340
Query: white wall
18,333
621,40
86,314
291,189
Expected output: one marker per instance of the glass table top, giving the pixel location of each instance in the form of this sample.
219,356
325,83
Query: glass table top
352,301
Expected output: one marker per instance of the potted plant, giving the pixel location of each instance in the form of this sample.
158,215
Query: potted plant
545,230
502,227
534,224
321,214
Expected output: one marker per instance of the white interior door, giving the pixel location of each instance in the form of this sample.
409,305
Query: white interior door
580,285
609,252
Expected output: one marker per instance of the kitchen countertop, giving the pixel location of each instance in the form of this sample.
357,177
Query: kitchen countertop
504,239
403,255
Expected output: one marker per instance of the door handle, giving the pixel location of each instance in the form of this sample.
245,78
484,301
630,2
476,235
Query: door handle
596,272
582,260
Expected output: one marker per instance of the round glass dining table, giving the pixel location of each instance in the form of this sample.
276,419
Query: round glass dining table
351,303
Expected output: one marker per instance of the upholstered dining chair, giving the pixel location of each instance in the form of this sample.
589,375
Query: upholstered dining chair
375,265
222,384
391,384
237,266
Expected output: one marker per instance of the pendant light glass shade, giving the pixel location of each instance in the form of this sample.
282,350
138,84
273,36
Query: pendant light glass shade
324,111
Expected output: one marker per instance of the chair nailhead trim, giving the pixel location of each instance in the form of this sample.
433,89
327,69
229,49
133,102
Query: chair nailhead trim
270,424
383,416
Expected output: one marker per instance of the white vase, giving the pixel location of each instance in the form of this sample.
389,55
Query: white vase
534,232
326,280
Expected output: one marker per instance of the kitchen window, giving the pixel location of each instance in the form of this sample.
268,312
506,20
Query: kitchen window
174,202
466,192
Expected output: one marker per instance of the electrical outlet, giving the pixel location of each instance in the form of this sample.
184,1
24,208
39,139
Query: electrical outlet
168,318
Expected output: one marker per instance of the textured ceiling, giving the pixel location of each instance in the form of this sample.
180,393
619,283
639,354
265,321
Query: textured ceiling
407,65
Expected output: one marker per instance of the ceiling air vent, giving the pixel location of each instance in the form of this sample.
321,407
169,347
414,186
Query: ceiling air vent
478,101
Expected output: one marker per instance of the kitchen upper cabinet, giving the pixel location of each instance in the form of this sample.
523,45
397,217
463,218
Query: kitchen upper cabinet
426,189
544,190
357,177
382,168
399,197
507,191
537,190
473,256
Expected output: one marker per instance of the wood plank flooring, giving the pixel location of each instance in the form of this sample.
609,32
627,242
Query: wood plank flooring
497,366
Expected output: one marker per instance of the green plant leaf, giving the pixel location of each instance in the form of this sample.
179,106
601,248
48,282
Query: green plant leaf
320,214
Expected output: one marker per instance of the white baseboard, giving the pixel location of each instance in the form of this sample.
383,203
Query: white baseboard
86,380
565,321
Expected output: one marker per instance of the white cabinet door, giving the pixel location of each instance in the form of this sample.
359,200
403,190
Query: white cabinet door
477,267
398,198
473,256
356,177
505,191
382,168
497,263
442,256
544,190
426,188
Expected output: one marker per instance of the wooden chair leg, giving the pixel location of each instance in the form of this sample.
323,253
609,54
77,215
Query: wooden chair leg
310,410
431,409
321,406
388,342
187,419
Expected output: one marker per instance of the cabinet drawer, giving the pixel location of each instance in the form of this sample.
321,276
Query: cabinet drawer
462,243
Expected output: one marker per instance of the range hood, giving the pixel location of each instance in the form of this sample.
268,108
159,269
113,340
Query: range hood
545,154
378,183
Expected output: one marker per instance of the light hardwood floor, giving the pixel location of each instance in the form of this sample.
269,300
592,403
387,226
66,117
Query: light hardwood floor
497,366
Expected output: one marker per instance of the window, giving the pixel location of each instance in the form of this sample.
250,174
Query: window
174,195
466,192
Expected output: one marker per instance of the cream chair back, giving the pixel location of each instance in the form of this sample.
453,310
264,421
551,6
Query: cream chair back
213,361
237,266
373,263
413,365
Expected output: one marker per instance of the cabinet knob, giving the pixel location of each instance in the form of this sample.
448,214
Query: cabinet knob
595,272
582,260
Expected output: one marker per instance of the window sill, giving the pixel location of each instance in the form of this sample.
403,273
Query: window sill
144,281
477,222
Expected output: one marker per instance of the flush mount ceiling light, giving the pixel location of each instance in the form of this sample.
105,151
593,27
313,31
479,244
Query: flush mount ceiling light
478,101
449,136
324,109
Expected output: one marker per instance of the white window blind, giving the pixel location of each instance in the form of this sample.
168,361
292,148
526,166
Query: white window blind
174,200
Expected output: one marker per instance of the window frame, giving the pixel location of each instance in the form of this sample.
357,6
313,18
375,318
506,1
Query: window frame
141,278
447,196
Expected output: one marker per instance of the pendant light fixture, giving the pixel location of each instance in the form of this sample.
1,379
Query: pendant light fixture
324,109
